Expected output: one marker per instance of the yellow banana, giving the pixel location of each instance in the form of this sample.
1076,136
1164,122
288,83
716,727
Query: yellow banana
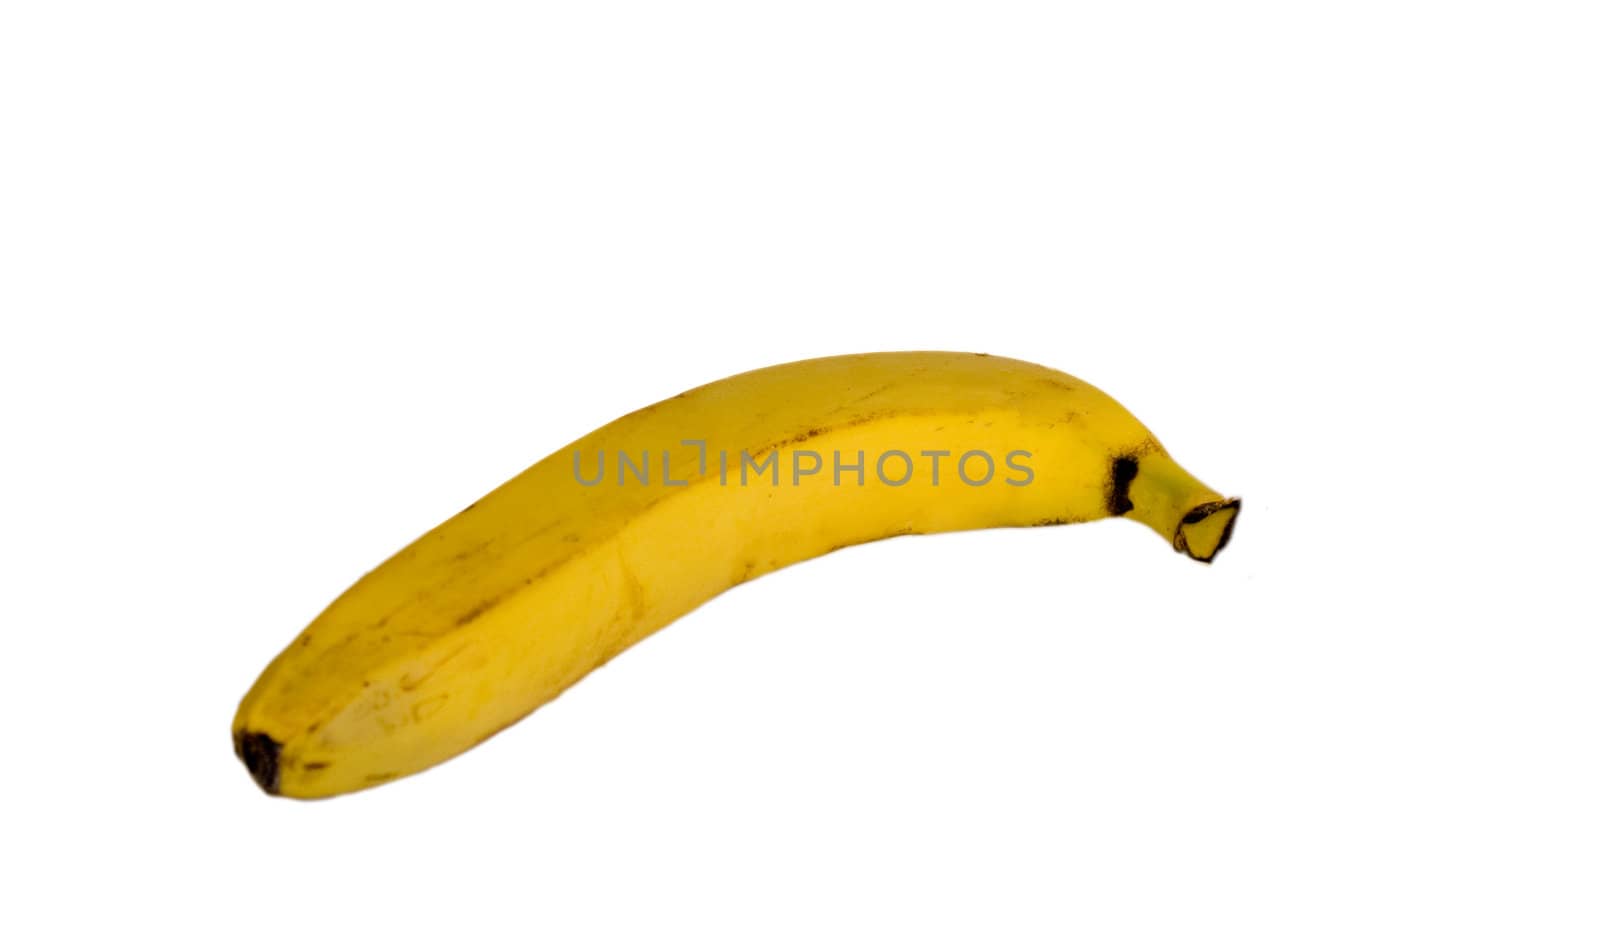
495,612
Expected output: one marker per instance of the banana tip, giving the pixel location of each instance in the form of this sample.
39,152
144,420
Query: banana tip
1206,529
259,753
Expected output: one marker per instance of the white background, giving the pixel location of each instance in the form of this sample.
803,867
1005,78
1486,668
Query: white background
286,284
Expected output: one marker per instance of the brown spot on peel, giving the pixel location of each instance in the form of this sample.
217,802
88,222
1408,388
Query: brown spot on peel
1123,470
472,614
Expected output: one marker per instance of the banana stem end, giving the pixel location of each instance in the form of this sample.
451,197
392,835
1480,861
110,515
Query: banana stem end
1206,528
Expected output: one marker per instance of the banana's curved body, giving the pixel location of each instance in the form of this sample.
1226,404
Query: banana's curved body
496,611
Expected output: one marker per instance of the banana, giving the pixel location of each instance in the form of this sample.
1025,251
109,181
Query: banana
498,610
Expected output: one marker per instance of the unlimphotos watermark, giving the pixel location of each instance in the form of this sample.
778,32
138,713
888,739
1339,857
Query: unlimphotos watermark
893,467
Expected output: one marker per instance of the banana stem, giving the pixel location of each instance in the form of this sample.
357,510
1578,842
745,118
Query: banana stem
1197,519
